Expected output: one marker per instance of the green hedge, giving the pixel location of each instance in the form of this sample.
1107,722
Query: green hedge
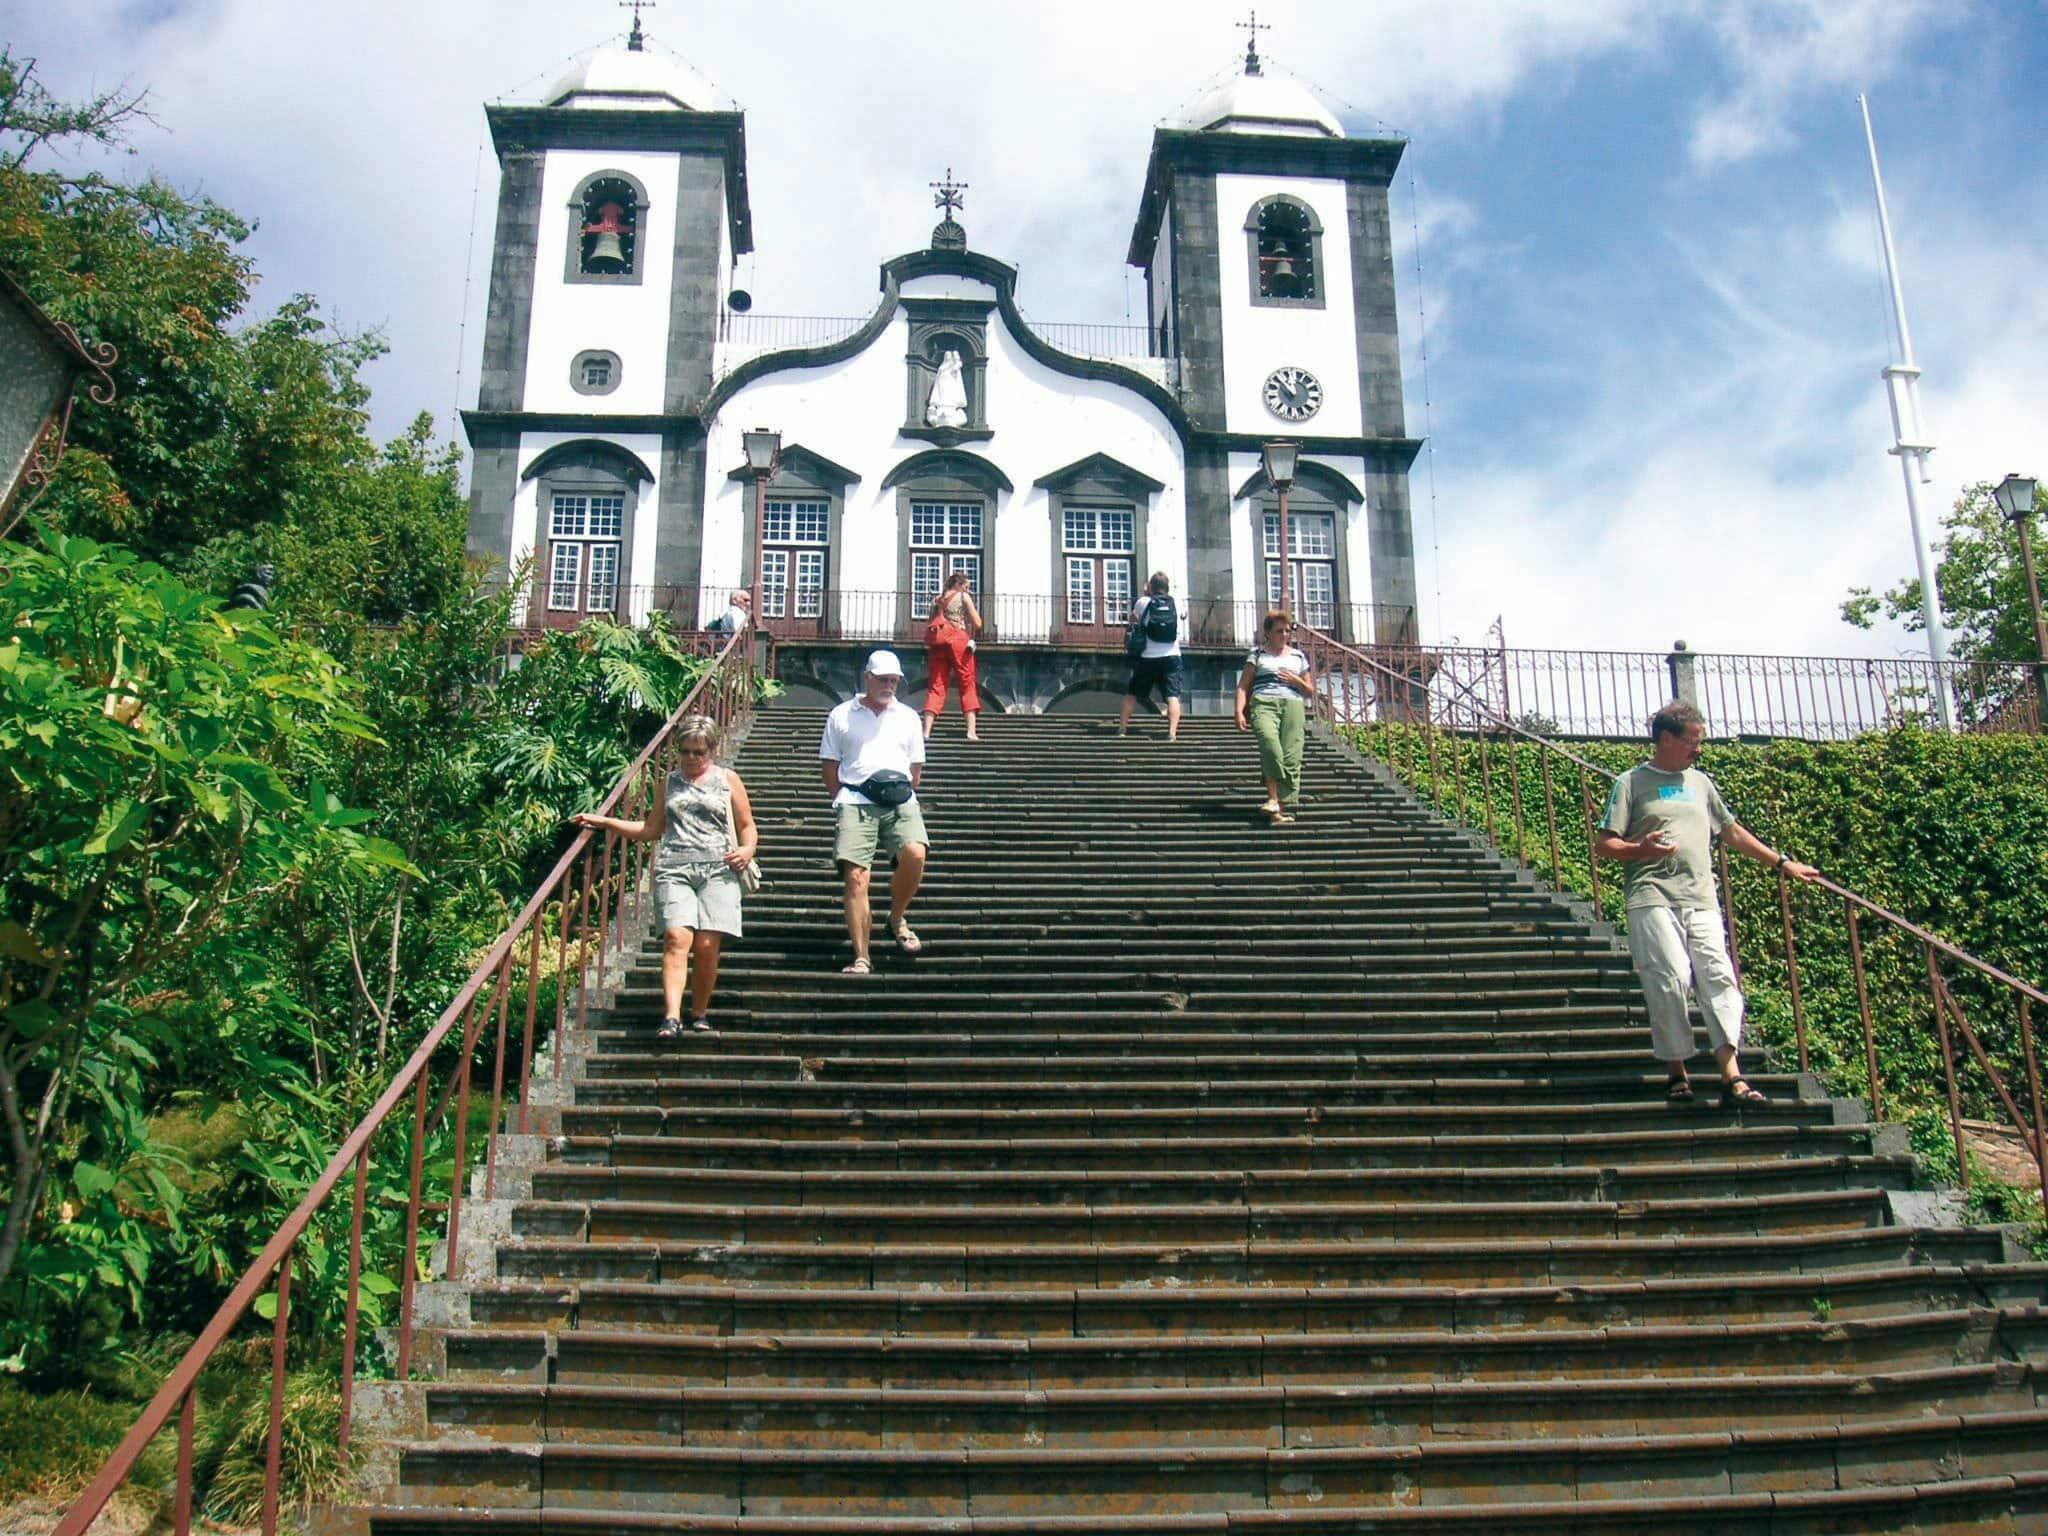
1948,831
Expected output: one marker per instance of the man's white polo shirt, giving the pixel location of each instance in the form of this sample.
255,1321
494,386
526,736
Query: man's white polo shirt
865,743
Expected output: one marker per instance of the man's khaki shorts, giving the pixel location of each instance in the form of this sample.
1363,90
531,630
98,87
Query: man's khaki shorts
865,831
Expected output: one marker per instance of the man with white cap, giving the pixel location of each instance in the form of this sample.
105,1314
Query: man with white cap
872,754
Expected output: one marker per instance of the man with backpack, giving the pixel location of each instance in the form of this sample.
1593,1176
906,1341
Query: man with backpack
1153,646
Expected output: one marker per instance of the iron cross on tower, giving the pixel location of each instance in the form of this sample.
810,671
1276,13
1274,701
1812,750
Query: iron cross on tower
636,38
1251,46
949,191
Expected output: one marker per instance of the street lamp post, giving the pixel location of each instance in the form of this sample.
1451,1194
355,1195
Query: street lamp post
1281,458
2015,497
764,454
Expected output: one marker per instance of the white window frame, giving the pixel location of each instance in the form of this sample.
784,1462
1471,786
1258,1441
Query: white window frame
1311,564
587,528
957,547
1100,541
796,533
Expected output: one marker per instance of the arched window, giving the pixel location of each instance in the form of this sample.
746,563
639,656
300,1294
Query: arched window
1286,246
588,492
945,505
606,217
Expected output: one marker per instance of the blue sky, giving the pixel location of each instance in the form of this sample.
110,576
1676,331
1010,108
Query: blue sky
1655,310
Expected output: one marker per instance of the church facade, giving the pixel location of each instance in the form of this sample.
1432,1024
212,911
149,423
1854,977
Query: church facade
1057,466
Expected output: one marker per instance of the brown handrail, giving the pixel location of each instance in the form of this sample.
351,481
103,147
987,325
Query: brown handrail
1353,688
726,693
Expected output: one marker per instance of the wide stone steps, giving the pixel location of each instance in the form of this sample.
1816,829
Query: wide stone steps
814,1480
1297,1416
1951,1506
1203,1176
1174,1310
1251,1154
1254,1190
1734,1259
675,1221
1138,1360
633,1116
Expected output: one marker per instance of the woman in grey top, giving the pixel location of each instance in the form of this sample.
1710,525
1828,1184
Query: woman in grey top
696,868
1270,703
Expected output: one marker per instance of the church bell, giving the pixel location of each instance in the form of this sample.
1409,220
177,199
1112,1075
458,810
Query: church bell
1283,270
610,224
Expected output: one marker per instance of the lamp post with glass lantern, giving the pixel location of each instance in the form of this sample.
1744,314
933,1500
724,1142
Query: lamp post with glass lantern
2015,497
1280,459
764,454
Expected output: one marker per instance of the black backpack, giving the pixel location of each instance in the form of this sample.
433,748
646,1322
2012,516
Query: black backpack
1162,620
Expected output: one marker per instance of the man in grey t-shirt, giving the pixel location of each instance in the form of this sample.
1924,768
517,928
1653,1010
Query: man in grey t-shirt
1661,820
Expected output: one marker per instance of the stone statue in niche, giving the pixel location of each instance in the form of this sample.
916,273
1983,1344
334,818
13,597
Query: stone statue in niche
947,406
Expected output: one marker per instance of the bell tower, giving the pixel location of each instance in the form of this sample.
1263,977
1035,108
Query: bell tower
1266,244
622,205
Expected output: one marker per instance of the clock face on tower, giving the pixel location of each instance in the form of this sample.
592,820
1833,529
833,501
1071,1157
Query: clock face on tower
1293,394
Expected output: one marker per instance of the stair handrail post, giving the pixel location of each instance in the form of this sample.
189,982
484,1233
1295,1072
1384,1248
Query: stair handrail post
2034,1089
1948,1069
1792,966
1858,972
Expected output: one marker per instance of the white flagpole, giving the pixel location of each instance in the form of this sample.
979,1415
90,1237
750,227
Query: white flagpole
1909,439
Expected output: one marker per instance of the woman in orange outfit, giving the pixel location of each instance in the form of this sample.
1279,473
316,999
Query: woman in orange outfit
949,649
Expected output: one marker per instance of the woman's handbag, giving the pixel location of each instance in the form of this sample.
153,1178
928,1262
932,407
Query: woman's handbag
751,878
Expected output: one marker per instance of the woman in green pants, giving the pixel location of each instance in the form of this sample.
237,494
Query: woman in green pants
1270,703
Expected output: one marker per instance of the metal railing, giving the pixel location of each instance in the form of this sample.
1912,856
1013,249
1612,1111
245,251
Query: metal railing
1815,698
587,911
1445,732
891,617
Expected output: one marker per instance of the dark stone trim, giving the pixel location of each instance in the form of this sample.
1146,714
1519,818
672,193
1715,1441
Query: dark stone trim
1374,310
1315,235
679,520
800,464
802,357
1044,352
1380,453
949,310
515,254
1320,477
493,493
593,355
1198,312
947,437
474,422
968,468
1104,469
591,454
968,264
516,129
964,323
1178,151
1208,532
971,264
693,296
572,254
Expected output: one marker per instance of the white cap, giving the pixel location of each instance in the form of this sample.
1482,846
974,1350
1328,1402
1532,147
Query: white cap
883,664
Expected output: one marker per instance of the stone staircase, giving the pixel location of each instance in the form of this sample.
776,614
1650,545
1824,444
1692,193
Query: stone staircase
1199,1176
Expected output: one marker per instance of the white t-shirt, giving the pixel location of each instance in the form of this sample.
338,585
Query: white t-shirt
1157,647
865,743
736,618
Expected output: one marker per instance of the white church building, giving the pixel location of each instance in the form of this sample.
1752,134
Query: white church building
1058,466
